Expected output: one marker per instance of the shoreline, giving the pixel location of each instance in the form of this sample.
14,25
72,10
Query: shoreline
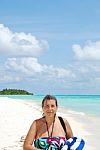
17,115
74,103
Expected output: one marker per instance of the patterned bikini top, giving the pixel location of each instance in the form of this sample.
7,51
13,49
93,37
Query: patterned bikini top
46,142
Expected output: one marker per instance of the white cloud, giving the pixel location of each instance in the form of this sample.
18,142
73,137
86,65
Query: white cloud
97,80
8,78
91,51
58,72
27,65
29,71
96,68
30,66
20,44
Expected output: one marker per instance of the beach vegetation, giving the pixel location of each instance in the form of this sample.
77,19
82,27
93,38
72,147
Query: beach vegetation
14,92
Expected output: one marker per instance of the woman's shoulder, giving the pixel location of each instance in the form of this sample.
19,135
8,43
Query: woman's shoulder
39,120
62,118
63,121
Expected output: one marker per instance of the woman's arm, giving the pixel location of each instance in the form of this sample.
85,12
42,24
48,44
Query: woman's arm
68,129
30,138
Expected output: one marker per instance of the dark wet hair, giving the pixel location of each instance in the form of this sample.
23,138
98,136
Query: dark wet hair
49,97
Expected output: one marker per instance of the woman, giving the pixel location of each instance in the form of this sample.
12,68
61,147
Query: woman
47,131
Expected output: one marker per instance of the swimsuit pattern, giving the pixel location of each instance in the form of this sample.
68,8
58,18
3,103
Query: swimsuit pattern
59,143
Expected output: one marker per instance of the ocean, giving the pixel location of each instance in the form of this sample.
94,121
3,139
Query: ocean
75,104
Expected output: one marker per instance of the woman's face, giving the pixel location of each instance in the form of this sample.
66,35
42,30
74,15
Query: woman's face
49,108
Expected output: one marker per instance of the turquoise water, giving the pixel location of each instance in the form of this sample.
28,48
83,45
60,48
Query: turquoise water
88,104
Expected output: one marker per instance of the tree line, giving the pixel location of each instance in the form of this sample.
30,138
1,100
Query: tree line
14,92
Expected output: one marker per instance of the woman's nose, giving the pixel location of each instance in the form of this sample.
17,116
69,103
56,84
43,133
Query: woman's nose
50,108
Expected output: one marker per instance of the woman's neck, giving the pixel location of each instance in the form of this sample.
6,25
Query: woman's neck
50,120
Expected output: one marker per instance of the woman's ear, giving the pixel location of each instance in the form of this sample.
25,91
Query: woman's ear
43,114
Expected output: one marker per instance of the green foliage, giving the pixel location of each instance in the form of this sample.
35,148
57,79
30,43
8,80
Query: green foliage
14,92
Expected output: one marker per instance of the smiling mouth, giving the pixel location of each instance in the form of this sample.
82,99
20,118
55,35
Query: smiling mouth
49,112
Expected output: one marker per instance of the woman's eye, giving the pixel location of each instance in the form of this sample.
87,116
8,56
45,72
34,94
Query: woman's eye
47,106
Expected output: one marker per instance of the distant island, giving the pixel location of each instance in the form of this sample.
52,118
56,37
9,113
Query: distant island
14,92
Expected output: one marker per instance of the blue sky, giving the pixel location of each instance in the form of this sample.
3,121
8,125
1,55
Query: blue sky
50,46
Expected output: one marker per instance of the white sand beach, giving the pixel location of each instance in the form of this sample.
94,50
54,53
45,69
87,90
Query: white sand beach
16,117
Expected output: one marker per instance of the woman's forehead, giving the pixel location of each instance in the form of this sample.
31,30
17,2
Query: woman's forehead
49,101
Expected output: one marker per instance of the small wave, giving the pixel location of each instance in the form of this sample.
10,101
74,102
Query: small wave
76,113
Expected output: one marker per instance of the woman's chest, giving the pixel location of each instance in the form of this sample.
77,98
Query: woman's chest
54,130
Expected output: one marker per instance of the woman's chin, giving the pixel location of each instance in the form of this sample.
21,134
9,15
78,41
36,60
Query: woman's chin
50,114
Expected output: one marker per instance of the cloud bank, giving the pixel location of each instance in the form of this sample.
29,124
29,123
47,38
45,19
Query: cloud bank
30,66
21,66
90,51
20,44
